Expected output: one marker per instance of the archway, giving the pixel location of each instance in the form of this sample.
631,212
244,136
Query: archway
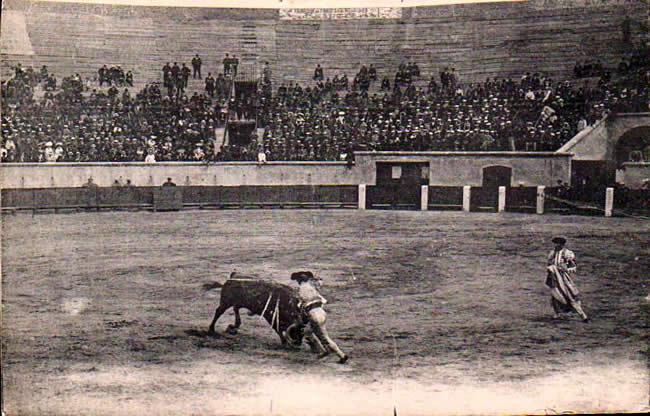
633,146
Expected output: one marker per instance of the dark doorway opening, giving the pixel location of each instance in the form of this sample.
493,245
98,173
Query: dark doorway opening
399,185
493,178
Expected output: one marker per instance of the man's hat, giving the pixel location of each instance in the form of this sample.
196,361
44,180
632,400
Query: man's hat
559,240
302,276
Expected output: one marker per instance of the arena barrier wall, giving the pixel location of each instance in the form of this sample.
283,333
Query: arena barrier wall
240,184
65,175
521,199
445,197
171,198
445,169
466,168
450,198
635,200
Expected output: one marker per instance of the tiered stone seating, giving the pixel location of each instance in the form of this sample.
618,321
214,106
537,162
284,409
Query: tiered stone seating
81,38
479,40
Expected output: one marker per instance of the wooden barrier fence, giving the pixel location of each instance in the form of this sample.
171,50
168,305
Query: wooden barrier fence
181,197
524,199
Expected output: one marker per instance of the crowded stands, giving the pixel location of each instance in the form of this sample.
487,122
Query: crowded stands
78,121
73,125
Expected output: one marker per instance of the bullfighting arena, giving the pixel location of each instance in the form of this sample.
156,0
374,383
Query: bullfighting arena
440,312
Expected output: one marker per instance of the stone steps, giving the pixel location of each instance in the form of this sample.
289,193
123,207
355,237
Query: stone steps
480,41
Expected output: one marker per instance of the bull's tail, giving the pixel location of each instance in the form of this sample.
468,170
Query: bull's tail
213,285
217,285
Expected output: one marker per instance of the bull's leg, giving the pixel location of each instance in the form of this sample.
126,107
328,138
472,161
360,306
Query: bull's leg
217,314
232,329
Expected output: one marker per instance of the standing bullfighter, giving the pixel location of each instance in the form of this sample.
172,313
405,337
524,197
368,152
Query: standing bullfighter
564,293
311,303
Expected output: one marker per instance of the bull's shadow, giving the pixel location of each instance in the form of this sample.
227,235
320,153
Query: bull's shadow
241,342
201,333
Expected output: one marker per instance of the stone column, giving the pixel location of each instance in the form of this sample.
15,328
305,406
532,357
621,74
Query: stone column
362,196
467,193
540,199
424,198
502,199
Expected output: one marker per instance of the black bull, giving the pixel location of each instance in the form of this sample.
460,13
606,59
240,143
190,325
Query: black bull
275,302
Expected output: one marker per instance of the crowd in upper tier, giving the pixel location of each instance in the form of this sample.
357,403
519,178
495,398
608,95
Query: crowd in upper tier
80,120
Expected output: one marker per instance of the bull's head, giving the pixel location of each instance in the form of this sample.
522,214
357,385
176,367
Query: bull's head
295,331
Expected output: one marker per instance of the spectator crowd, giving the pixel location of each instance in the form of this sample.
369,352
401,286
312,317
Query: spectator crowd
99,125
114,75
326,120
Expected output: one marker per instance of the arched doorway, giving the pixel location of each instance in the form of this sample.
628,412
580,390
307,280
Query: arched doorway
633,146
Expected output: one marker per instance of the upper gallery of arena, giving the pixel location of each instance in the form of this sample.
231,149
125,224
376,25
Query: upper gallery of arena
87,82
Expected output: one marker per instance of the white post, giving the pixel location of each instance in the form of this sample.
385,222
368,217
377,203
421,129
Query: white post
424,198
467,192
362,196
540,199
502,199
609,201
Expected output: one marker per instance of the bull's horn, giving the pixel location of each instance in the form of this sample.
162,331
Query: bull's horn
294,329
210,286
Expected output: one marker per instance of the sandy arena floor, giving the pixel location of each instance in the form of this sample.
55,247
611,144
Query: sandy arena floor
441,313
